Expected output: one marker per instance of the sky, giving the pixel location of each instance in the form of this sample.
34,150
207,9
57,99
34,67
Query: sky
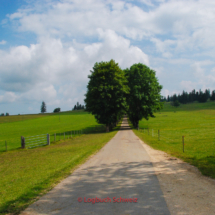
48,47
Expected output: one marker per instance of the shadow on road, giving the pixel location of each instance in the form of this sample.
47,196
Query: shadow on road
126,180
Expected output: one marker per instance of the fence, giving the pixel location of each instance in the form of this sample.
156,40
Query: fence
35,141
46,139
193,141
159,137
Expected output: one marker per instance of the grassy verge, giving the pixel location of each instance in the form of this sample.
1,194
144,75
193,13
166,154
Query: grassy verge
194,121
28,174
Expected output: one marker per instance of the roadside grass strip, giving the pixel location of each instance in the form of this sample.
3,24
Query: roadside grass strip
27,174
196,122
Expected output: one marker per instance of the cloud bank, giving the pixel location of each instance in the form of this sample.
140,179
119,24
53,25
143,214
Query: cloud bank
174,37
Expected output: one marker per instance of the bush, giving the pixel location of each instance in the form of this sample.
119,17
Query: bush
56,110
176,103
7,114
2,114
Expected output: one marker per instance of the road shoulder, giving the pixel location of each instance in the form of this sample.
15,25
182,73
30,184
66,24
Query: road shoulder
185,189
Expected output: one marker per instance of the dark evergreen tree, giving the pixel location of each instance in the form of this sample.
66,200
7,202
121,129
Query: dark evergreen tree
212,98
174,97
43,107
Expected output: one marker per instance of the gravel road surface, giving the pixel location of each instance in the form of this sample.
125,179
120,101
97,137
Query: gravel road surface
122,168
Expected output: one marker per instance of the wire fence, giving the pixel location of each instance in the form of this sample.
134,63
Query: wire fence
197,141
42,139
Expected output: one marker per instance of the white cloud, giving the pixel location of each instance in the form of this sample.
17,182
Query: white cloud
165,92
53,72
204,78
3,42
8,97
174,36
189,23
188,85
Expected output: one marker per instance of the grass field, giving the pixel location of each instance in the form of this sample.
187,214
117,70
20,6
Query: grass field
13,127
29,173
195,121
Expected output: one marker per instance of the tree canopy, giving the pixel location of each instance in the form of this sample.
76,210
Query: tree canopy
112,91
144,97
56,110
106,90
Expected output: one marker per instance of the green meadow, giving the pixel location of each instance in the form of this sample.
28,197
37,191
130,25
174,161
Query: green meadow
194,121
13,127
27,174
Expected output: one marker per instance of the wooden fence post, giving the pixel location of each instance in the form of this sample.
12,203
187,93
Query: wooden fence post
158,134
183,142
22,142
48,139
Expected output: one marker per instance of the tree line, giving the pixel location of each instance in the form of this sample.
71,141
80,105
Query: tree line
112,92
78,107
7,114
57,110
192,96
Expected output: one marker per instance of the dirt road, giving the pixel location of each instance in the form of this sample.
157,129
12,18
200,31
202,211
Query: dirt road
128,168
121,169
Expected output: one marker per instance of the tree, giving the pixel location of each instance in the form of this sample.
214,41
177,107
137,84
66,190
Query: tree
144,97
176,103
56,110
43,107
203,97
7,114
78,106
105,97
212,96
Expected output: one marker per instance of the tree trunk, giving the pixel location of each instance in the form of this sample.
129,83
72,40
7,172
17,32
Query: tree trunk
107,128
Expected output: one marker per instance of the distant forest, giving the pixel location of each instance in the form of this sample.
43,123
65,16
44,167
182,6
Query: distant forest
186,97
78,107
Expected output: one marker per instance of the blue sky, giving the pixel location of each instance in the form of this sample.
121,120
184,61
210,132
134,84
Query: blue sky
47,48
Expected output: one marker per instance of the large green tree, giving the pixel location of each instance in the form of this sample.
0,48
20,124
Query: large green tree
144,97
106,90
